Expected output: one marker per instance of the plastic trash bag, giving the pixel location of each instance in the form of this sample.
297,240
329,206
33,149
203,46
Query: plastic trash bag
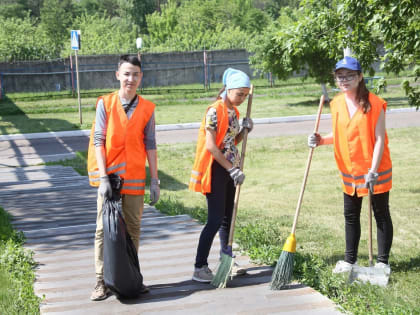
121,264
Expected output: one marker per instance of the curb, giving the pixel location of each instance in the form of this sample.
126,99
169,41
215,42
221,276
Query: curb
169,127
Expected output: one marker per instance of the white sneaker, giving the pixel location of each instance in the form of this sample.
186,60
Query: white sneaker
386,267
238,270
343,266
203,274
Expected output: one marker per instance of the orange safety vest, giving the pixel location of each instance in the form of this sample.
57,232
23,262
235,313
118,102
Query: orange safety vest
354,141
200,180
124,147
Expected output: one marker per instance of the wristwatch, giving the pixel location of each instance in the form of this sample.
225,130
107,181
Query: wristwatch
156,180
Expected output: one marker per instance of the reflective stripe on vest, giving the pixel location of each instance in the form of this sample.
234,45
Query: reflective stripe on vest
380,181
124,145
354,141
200,180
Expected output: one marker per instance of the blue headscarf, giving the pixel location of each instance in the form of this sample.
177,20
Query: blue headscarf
234,79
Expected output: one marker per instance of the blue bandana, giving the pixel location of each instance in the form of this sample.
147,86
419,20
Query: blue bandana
234,79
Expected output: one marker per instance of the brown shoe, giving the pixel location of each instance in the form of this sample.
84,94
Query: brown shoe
101,292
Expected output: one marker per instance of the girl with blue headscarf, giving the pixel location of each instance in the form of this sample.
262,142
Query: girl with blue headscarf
216,169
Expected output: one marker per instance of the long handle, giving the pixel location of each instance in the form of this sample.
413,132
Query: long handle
308,165
370,228
241,166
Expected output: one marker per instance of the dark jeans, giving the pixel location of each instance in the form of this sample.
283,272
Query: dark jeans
219,213
380,206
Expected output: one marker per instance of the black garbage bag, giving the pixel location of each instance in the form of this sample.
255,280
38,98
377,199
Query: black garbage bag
121,264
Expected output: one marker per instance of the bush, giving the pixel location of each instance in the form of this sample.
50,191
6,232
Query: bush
16,272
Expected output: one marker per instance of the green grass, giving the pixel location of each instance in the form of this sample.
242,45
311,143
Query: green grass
37,112
16,272
274,168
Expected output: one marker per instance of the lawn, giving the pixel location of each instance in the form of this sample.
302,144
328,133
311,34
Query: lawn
274,168
38,113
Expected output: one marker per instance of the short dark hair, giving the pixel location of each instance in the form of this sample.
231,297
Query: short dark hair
130,59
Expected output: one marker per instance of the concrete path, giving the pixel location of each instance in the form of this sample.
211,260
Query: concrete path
55,207
33,149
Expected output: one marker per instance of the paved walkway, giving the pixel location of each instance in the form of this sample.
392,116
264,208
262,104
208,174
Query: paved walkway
55,207
33,149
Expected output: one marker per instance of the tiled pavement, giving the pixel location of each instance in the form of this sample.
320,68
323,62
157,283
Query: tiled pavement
56,209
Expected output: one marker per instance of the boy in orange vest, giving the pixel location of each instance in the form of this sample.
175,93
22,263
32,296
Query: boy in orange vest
216,169
363,159
122,139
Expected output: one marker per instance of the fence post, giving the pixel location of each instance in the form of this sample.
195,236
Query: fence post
205,69
1,85
71,74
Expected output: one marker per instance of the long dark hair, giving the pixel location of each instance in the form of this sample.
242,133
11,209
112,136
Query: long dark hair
362,95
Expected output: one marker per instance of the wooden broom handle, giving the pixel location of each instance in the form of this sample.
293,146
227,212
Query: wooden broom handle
241,165
308,165
370,228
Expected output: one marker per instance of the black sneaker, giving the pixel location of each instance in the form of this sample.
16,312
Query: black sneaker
144,289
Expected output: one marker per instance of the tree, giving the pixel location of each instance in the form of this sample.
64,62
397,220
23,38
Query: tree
200,24
396,23
316,41
120,35
55,19
140,9
21,39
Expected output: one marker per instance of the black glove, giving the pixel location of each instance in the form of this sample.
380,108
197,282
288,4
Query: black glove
105,187
237,175
370,180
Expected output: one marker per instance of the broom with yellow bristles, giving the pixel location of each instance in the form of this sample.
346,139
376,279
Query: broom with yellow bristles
225,268
282,274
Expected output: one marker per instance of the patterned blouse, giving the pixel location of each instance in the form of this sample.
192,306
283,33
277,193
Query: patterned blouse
228,148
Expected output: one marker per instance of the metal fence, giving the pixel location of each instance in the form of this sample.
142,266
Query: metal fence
98,72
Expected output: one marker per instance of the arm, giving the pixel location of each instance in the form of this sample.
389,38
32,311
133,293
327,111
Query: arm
378,149
101,160
327,139
150,145
100,136
214,150
152,160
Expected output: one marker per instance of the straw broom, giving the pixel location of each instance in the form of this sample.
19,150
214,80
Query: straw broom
225,268
282,274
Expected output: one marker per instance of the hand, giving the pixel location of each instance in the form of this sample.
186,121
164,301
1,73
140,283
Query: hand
154,191
105,187
248,124
314,140
237,175
370,180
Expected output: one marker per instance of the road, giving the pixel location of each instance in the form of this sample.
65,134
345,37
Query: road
33,151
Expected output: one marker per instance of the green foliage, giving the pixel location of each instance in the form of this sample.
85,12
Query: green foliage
12,9
197,24
55,19
120,36
172,206
139,10
316,41
21,39
16,269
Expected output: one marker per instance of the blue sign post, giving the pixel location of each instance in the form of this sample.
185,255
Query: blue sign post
75,45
